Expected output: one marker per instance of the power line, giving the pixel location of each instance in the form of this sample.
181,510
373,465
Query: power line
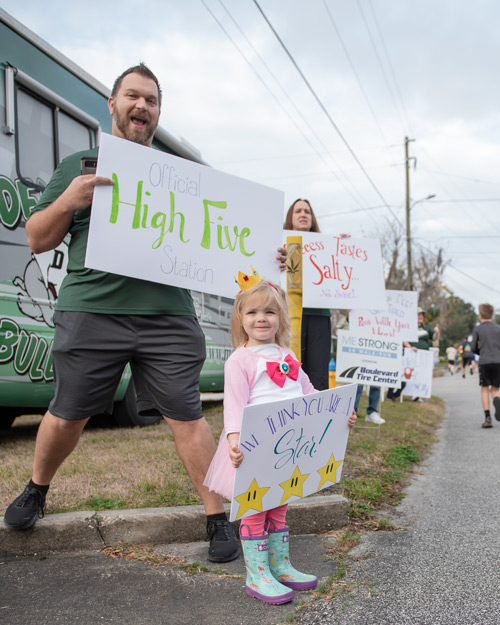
448,264
463,236
446,190
358,79
300,155
275,98
455,185
382,69
490,199
389,63
444,173
323,108
297,110
354,210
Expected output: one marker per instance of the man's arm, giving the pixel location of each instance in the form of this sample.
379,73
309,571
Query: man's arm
47,228
413,347
475,342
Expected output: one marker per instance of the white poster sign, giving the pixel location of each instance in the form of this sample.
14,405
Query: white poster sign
341,272
398,320
417,372
292,448
368,360
173,221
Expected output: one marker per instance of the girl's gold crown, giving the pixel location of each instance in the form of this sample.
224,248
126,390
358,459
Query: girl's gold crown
246,281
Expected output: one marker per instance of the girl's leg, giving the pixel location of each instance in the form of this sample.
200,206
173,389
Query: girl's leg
260,582
279,557
278,516
255,523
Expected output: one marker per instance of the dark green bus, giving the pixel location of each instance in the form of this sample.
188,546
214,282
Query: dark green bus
50,108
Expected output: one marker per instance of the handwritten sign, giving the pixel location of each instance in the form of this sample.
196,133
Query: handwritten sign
368,360
169,220
398,320
341,273
292,448
417,372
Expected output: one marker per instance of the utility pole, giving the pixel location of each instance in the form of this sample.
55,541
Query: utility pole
409,278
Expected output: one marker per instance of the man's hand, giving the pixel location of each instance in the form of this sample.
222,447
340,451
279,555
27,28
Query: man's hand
47,228
80,192
235,453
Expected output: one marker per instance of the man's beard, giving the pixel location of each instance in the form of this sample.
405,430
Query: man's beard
141,135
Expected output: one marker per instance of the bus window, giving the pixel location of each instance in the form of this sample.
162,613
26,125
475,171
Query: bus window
35,159
47,128
73,135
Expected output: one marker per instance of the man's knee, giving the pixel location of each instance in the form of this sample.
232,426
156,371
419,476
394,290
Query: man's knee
189,427
62,425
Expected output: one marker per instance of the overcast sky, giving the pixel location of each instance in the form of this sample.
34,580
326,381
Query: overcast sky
377,70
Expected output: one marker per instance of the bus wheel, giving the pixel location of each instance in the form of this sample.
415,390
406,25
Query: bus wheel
125,411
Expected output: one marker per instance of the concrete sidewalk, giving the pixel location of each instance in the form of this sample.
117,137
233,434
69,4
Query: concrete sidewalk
89,587
65,576
84,531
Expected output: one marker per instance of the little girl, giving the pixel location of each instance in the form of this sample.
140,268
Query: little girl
260,330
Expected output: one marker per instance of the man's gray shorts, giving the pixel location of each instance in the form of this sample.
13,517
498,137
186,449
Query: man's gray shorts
90,351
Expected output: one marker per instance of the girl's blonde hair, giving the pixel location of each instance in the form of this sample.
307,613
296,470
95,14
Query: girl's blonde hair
268,294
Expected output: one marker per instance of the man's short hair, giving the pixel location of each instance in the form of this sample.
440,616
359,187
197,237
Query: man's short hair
141,69
486,311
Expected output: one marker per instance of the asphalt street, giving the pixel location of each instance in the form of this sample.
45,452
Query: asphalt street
440,567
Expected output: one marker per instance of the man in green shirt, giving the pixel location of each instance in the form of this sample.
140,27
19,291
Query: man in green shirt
103,320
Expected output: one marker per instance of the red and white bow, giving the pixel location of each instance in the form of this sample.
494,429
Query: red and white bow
278,371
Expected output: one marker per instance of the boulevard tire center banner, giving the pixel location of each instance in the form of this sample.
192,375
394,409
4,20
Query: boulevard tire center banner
368,360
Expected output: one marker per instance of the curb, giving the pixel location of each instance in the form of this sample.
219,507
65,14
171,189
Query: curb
79,531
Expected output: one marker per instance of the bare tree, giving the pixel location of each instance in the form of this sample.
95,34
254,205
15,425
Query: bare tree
428,268
391,241
428,277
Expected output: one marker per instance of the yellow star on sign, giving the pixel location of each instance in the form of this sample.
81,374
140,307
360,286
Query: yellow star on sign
251,499
329,471
293,485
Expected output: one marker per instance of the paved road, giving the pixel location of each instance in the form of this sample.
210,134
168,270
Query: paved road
441,569
444,569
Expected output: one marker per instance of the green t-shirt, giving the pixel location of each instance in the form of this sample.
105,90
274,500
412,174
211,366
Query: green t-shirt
317,312
425,336
89,290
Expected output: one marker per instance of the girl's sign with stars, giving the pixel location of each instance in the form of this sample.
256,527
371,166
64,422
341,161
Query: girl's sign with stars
293,448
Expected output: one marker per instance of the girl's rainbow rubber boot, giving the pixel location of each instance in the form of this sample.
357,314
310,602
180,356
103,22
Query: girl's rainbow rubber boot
260,581
279,562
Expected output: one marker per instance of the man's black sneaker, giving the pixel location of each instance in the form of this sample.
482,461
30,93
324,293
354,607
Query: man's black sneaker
487,422
496,403
224,546
25,509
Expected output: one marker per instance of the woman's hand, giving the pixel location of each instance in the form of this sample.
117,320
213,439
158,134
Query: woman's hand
352,419
281,258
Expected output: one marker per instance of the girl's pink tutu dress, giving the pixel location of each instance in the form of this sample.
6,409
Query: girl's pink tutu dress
246,381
